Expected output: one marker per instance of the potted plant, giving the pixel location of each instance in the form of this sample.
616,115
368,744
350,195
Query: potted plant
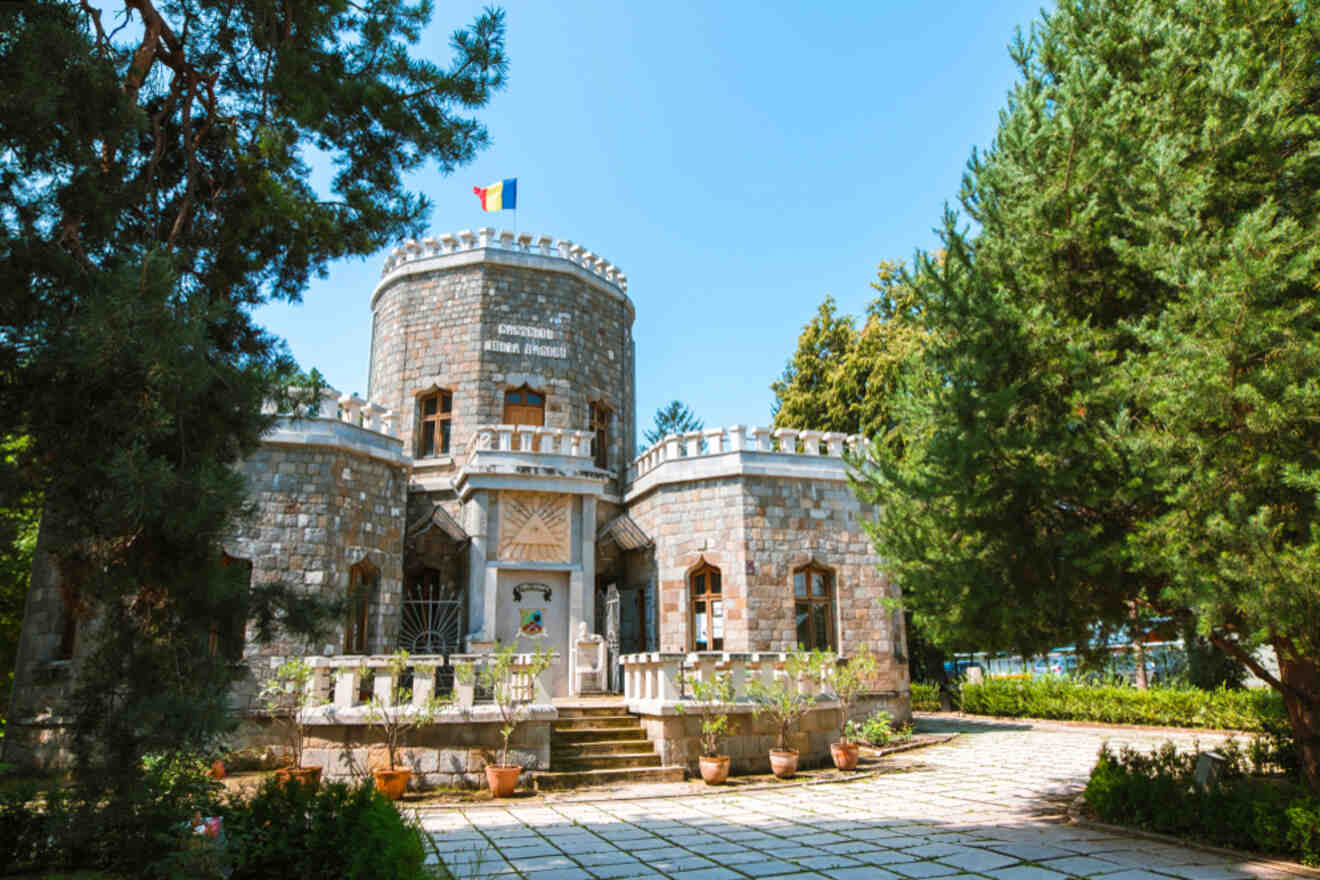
784,700
498,675
286,695
847,679
710,695
395,717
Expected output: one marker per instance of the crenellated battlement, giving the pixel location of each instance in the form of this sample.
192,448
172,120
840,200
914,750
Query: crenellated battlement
715,452
486,239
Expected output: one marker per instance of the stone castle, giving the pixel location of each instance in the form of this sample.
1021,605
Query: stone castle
486,491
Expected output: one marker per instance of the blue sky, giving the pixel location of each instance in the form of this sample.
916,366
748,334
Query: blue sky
738,160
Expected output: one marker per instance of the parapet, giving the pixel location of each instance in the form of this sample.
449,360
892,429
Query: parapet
343,421
539,251
716,452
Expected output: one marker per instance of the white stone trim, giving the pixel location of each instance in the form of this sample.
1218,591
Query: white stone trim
335,434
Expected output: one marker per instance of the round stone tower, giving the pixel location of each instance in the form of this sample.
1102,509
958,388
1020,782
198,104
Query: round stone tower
481,329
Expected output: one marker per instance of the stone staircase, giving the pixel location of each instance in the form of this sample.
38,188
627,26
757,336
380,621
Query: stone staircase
601,744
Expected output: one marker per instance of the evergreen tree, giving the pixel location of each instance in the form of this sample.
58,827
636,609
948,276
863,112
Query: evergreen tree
1115,400
675,418
844,379
153,191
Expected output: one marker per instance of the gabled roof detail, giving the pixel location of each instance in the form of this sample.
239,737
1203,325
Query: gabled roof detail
438,518
624,532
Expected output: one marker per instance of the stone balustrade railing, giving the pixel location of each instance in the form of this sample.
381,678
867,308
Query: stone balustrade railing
740,438
653,682
338,693
533,440
486,237
350,408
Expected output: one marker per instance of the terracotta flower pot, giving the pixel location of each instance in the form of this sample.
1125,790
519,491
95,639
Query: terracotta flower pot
217,769
715,770
783,762
307,777
392,783
844,755
502,778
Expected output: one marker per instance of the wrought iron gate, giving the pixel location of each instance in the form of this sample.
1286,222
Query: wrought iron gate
432,622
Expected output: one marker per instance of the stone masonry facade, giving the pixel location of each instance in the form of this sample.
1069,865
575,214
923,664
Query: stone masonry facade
454,563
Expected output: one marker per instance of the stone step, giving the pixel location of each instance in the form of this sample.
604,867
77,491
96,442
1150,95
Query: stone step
594,734
548,780
619,746
566,763
566,712
594,721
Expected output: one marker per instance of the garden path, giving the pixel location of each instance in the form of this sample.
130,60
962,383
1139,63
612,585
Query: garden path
989,804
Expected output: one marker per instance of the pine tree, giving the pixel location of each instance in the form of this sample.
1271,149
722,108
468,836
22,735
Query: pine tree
1115,402
675,418
153,191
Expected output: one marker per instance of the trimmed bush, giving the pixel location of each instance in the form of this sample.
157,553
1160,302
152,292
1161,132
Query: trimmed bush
1063,699
925,697
1158,792
333,833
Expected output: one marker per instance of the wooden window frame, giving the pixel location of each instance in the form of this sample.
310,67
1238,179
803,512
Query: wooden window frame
598,423
703,574
813,601
363,582
433,426
524,390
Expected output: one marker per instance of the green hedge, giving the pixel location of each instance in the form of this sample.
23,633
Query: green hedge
1060,698
925,697
1158,792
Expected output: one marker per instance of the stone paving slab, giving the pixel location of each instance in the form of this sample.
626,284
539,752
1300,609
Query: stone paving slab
989,804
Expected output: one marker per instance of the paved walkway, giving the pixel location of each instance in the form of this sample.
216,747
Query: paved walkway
988,804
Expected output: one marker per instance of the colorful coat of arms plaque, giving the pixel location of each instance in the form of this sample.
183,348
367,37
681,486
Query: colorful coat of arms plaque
532,622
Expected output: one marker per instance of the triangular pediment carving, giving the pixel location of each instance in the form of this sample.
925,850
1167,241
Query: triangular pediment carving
535,527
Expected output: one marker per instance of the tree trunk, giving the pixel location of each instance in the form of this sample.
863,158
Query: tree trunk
1138,651
1301,697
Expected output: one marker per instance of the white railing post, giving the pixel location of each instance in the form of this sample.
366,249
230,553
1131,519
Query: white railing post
504,436
669,677
834,441
346,686
811,442
383,686
692,444
423,685
526,433
673,443
714,441
736,438
787,438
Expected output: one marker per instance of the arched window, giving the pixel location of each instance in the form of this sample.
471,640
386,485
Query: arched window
523,406
813,607
433,423
598,422
363,581
706,604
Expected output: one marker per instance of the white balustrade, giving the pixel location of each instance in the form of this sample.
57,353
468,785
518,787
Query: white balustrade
743,439
342,677
653,682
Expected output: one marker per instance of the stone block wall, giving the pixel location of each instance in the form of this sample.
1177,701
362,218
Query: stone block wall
319,511
484,322
691,522
452,753
677,739
758,530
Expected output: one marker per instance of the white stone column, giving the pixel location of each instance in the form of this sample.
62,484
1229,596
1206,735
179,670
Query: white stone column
588,565
477,510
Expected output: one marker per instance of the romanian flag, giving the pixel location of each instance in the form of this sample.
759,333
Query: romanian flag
499,196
